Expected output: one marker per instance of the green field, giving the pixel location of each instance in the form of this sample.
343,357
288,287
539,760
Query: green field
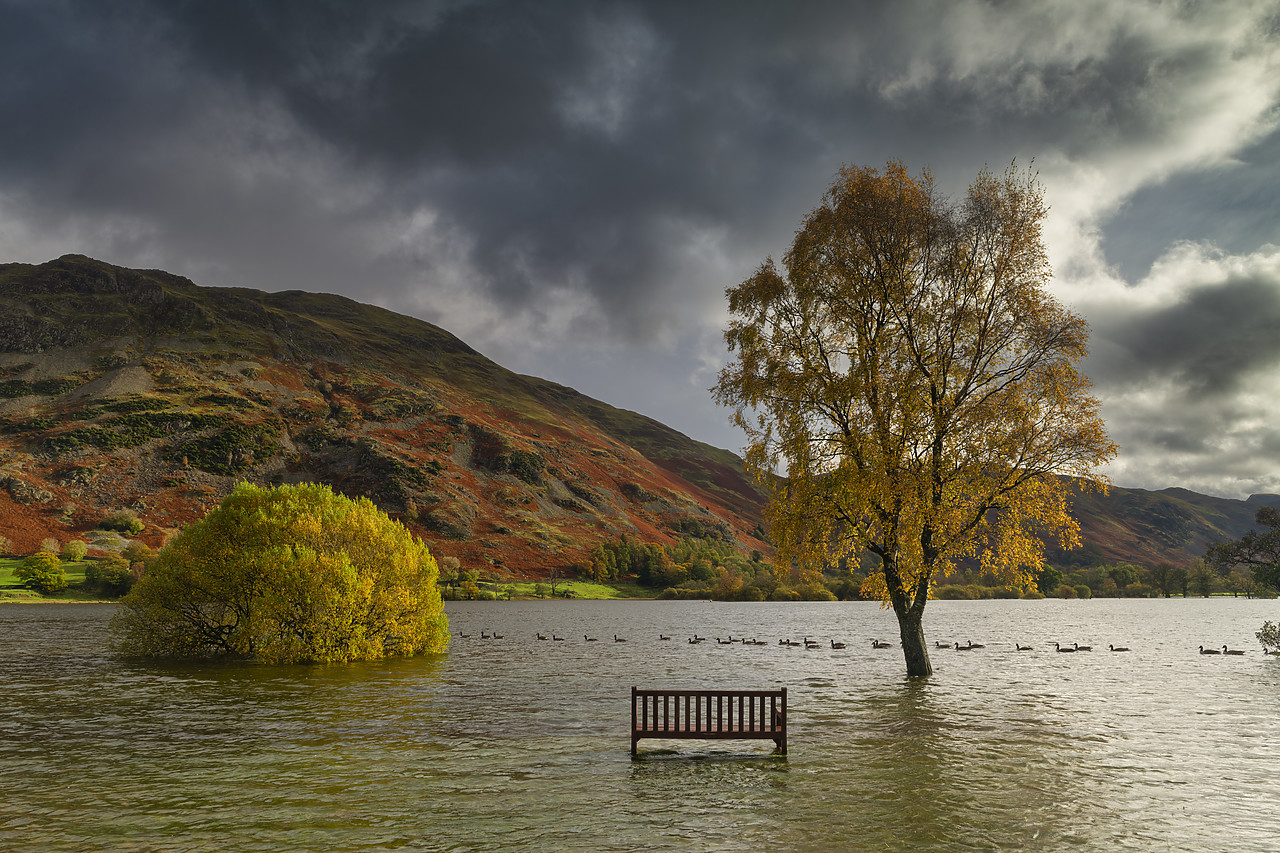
584,589
11,589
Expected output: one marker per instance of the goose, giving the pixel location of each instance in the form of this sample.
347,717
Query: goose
810,644
497,636
938,644
543,637
695,639
836,645
961,648
1061,649
1022,648
727,642
557,639
876,644
1118,648
484,635
618,639
974,645
1205,651
1227,651
588,639
464,636
1081,648
663,637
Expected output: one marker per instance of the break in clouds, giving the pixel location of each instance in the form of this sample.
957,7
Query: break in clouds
570,186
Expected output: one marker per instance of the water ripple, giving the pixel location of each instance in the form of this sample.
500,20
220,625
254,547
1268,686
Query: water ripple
521,745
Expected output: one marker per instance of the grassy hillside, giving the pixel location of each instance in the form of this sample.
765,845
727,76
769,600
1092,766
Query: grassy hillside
138,389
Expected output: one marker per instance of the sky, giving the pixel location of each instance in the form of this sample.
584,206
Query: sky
570,187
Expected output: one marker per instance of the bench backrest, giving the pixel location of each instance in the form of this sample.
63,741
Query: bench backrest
708,710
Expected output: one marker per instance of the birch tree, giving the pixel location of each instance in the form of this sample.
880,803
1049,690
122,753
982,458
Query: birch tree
909,376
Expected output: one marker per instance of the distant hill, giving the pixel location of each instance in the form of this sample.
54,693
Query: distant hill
138,389
1146,527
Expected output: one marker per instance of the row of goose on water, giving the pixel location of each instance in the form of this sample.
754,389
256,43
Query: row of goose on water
875,644
694,640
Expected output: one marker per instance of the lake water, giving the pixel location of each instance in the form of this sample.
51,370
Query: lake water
520,744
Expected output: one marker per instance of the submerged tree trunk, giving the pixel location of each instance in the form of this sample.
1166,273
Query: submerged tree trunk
910,613
908,605
911,628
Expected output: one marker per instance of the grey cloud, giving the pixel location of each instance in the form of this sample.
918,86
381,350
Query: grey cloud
638,157
1231,206
1210,343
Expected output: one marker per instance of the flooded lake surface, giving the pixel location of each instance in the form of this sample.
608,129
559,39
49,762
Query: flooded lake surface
521,744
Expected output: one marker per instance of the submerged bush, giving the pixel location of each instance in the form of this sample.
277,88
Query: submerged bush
287,574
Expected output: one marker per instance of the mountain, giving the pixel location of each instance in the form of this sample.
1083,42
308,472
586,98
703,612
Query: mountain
1148,527
138,389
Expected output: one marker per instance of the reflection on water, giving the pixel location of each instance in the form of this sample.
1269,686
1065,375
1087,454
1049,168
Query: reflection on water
521,744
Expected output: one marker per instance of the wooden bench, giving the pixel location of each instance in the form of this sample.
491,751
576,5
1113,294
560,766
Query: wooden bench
710,714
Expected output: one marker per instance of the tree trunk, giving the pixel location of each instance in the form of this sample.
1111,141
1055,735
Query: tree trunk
911,628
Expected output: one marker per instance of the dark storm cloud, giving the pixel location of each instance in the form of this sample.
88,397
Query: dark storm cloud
1210,342
571,184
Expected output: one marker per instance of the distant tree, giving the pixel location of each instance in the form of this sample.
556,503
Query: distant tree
111,574
910,374
555,577
6,545
292,573
1179,580
1048,579
1161,575
1124,574
137,551
75,551
1202,576
1256,551
541,590
42,572
49,545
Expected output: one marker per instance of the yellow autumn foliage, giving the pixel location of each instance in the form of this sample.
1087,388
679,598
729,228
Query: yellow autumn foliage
909,376
287,574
